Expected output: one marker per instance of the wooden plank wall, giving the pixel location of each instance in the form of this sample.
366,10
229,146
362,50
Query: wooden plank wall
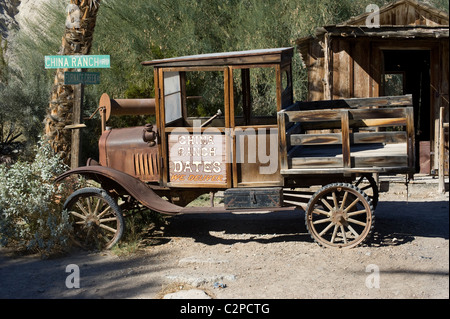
352,69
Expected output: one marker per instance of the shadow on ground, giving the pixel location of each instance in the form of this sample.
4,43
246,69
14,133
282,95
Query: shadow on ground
396,223
101,276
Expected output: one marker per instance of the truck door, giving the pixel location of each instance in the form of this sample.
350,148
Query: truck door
194,116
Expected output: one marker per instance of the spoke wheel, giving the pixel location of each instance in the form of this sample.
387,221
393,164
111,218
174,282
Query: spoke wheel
367,184
96,219
339,215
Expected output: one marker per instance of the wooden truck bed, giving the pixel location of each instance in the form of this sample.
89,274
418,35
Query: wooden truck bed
373,135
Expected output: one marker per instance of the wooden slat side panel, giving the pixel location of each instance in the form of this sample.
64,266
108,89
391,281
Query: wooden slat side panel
378,137
355,103
320,125
355,138
312,162
381,161
283,147
345,138
335,115
316,139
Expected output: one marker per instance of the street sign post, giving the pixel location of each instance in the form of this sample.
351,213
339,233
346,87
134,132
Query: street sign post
74,78
77,61
78,80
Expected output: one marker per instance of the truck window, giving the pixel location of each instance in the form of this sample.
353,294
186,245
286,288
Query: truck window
172,96
205,97
255,97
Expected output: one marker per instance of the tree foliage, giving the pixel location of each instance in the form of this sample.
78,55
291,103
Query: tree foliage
142,30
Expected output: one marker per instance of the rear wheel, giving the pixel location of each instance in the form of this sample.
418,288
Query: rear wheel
368,185
339,215
96,218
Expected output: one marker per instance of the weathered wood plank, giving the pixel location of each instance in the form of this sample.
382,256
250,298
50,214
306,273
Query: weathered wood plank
380,161
316,139
378,137
335,115
320,125
355,138
282,118
345,138
385,101
310,162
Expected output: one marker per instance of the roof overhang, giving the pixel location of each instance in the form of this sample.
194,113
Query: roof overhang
403,32
263,56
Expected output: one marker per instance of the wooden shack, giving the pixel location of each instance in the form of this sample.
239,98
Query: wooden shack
406,53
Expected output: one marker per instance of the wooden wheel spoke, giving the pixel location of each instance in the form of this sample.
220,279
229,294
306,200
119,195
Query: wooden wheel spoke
353,231
357,222
325,202
88,201
97,206
344,236
321,221
83,217
326,229
110,219
344,200
81,207
333,237
108,228
104,212
335,201
351,205
321,212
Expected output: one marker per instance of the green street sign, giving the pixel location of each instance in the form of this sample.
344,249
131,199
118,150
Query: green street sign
77,61
74,78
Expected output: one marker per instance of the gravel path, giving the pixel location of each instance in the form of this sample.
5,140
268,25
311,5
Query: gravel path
264,255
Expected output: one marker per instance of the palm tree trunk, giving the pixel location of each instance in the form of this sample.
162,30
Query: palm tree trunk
77,40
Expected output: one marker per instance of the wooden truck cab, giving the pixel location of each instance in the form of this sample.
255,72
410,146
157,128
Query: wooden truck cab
210,140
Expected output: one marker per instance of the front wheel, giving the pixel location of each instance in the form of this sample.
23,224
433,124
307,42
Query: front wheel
339,215
96,218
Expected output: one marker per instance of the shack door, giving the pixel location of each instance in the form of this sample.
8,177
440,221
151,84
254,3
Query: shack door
408,72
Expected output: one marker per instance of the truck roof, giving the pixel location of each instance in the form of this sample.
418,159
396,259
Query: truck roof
262,56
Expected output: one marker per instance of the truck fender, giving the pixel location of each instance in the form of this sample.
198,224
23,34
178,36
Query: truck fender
133,186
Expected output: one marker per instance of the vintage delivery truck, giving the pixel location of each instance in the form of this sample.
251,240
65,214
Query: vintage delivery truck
261,153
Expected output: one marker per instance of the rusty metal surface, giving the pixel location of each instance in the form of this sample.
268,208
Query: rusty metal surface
132,151
119,107
133,186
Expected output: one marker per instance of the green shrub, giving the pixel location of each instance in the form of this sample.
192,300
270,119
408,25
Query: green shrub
31,217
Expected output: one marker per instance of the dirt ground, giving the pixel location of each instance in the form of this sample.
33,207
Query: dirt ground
261,256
